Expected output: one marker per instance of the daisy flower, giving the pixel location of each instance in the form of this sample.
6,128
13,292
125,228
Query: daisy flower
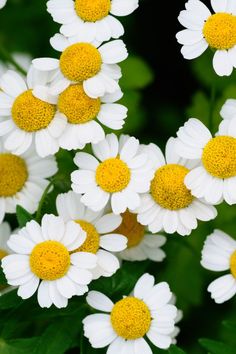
91,17
82,62
101,238
203,30
219,254
141,244
125,324
169,204
26,120
215,177
118,173
23,180
5,232
43,261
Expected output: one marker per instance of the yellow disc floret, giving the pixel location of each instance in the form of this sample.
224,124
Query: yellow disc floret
168,188
3,254
80,62
49,260
30,113
113,175
220,31
92,10
131,318
233,264
219,157
13,174
131,228
77,106
92,241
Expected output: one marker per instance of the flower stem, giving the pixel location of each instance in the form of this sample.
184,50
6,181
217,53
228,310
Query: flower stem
9,58
211,109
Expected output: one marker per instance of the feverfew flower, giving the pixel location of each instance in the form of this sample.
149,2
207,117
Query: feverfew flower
91,17
203,30
125,324
43,261
219,254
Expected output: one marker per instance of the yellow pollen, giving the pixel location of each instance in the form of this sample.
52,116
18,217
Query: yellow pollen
131,228
30,113
3,254
77,106
113,175
168,188
80,62
220,31
219,157
130,318
50,260
92,241
233,264
13,174
92,10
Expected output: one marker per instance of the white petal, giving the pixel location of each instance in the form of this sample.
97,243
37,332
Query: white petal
99,301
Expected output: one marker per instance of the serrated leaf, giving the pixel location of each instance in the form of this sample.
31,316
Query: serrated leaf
23,216
216,347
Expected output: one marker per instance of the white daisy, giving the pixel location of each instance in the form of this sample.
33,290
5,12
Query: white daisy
141,244
146,312
5,232
91,17
23,180
203,30
101,237
215,177
2,3
43,261
118,173
169,205
219,254
25,119
82,62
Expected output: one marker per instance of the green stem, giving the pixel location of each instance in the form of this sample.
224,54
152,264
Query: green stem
42,200
211,110
7,57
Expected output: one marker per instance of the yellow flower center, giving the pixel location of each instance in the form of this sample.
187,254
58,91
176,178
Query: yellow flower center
92,241
80,62
92,10
130,318
233,264
50,260
131,228
30,113
168,188
219,157
77,106
113,175
220,31
3,254
13,174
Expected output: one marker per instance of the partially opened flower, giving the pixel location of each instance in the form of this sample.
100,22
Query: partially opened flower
91,17
219,254
125,324
101,238
43,261
203,30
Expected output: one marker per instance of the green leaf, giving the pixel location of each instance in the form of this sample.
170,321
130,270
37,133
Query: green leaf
23,216
175,350
18,346
216,347
9,299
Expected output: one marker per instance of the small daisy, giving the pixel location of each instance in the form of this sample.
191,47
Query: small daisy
43,261
23,180
118,172
219,254
101,238
203,30
25,119
5,232
141,245
125,324
91,17
215,177
169,204
82,62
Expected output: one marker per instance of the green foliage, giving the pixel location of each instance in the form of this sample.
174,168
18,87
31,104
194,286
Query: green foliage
23,216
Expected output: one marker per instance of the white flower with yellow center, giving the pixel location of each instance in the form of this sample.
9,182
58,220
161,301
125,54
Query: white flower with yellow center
219,254
23,180
5,232
141,245
91,17
43,261
145,313
215,177
169,204
203,30
82,62
118,173
101,238
25,119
